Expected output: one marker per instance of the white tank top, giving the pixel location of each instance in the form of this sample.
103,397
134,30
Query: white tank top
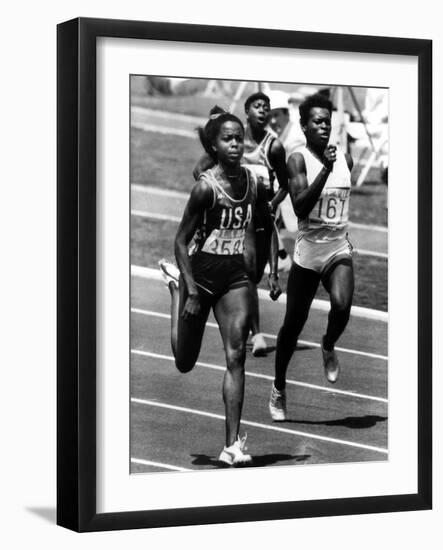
328,220
256,159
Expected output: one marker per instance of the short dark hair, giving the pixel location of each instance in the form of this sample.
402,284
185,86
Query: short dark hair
254,97
316,100
207,135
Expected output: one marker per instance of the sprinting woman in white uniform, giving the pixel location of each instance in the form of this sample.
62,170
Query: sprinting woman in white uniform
319,187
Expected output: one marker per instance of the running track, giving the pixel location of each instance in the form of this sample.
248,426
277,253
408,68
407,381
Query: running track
177,420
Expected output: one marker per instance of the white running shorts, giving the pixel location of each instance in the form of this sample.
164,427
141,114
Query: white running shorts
320,256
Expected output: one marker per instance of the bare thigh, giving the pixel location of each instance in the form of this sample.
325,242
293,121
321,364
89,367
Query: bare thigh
301,289
232,313
340,284
190,332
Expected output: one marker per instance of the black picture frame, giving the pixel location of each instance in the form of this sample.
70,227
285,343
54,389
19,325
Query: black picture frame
76,273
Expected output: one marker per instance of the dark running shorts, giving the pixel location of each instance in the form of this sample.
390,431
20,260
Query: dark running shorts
216,274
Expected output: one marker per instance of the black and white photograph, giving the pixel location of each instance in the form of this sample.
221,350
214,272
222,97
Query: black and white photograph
259,274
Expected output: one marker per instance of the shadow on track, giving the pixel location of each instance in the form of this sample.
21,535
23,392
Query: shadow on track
257,460
270,349
353,422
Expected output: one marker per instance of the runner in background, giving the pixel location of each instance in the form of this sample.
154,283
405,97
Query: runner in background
265,156
220,215
319,187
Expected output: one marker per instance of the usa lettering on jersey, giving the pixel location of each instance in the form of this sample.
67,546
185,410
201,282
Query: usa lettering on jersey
229,237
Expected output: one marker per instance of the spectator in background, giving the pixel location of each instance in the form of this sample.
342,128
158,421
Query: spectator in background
281,121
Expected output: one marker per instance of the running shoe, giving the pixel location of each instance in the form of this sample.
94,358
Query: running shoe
259,346
277,404
234,455
169,272
330,364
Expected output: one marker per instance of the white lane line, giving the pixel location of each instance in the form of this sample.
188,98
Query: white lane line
379,228
155,216
322,305
168,115
163,130
266,377
166,217
262,426
268,335
158,465
160,191
362,252
151,189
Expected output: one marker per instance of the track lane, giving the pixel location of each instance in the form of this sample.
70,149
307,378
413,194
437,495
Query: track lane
204,385
358,375
368,335
172,436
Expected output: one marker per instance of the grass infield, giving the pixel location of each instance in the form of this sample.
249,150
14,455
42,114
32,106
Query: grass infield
152,240
167,161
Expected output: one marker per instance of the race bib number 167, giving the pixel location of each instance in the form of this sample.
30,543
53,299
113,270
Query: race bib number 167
332,207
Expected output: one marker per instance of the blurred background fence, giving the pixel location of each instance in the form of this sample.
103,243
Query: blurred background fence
360,117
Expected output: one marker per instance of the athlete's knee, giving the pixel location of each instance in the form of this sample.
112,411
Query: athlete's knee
341,305
235,356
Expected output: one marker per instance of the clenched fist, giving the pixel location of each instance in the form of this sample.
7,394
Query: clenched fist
329,156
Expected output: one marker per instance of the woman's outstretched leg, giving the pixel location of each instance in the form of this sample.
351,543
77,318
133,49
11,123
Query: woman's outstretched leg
186,334
232,314
340,285
301,289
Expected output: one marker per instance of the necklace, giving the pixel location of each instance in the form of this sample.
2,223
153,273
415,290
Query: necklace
231,176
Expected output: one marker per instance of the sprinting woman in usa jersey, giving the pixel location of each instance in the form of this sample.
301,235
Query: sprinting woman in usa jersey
264,155
219,217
